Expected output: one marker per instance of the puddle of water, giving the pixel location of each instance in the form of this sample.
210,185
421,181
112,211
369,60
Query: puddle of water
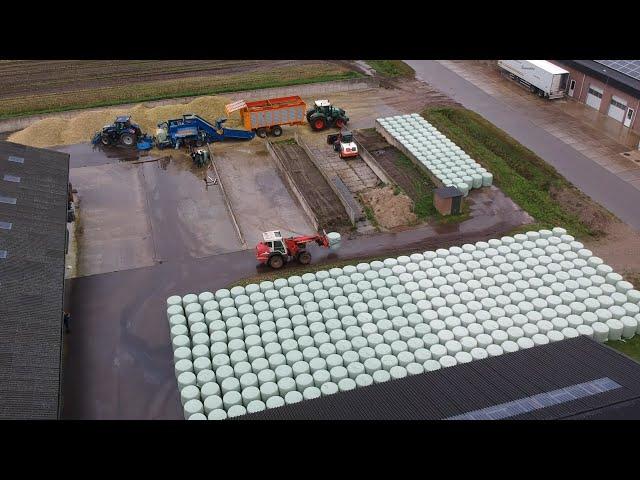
86,154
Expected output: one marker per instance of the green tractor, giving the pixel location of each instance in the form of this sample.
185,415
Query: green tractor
324,115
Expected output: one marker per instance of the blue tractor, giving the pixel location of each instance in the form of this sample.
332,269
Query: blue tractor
192,130
121,132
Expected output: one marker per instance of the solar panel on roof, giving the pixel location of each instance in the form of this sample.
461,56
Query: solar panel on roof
3,254
13,158
12,178
6,225
630,68
9,200
541,400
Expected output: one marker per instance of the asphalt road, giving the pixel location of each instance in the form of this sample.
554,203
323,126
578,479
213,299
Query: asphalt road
601,185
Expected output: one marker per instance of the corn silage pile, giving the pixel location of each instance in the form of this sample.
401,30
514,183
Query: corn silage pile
80,128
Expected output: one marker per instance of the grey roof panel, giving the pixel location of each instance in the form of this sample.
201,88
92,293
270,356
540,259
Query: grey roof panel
32,278
492,383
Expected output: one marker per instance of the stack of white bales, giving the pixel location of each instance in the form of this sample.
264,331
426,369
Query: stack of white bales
297,338
443,158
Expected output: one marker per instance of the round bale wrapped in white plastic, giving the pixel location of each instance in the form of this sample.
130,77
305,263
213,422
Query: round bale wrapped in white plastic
334,240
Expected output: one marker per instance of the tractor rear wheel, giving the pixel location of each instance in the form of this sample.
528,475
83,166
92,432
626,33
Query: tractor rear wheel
261,132
276,262
304,258
318,123
128,139
276,130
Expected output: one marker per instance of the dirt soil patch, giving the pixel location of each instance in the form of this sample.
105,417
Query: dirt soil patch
391,208
311,183
620,248
595,217
388,157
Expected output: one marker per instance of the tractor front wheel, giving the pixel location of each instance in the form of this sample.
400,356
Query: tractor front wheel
340,123
276,130
304,258
276,262
104,139
318,123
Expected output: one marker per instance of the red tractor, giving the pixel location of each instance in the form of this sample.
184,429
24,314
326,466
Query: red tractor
275,250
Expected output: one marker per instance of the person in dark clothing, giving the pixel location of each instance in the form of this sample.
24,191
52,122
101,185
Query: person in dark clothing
66,318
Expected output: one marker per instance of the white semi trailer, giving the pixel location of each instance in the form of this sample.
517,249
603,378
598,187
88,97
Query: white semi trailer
539,76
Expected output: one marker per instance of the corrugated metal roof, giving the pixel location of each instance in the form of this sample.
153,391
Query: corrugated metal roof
485,383
32,276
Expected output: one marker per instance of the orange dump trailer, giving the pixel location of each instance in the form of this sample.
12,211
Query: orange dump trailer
268,116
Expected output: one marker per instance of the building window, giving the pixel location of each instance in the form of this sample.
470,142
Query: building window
595,93
618,104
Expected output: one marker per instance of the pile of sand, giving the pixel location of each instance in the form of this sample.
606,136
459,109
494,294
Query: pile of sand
54,131
390,210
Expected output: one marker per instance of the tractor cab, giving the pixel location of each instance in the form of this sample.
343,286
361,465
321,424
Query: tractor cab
327,109
273,241
122,122
346,137
323,106
272,250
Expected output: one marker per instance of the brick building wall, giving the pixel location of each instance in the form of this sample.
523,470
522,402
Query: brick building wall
584,81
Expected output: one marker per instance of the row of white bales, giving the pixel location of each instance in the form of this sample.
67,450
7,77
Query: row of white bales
265,345
442,157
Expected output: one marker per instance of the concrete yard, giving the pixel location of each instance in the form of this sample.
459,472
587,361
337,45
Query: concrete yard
355,173
119,362
138,212
114,228
259,198
142,210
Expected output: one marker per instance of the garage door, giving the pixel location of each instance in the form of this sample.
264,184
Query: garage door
594,97
618,108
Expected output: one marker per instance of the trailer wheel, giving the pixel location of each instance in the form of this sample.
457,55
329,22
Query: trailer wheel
261,132
304,258
276,262
276,130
